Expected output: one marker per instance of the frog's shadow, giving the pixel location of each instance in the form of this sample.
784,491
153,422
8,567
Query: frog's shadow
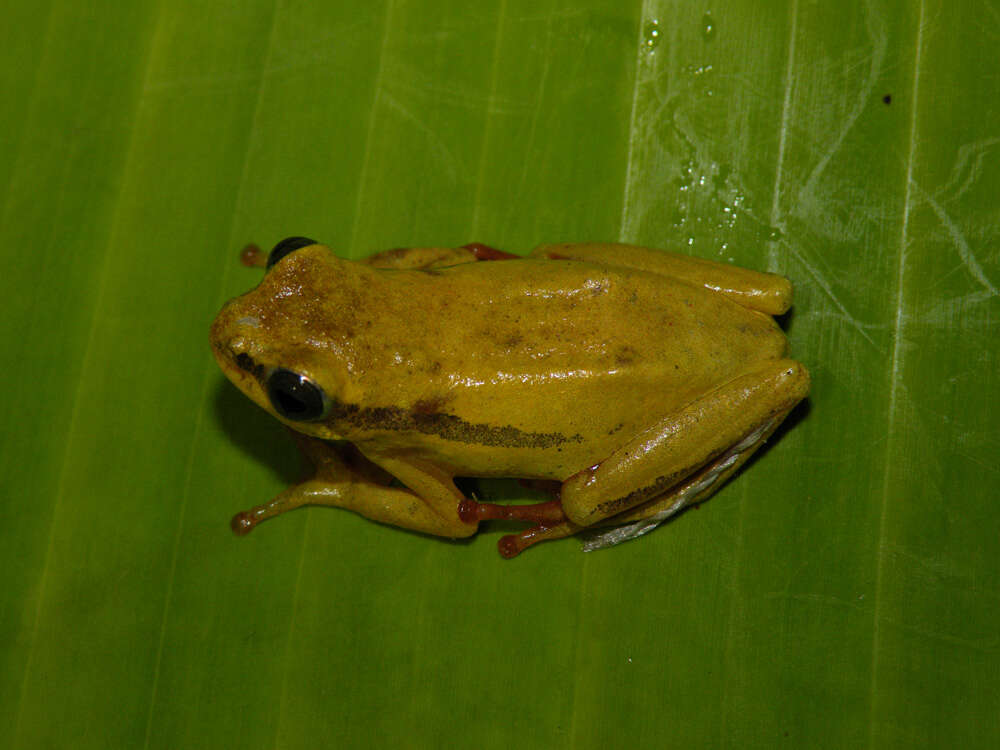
785,320
255,432
796,415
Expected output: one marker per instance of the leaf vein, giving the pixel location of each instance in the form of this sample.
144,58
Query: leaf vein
897,356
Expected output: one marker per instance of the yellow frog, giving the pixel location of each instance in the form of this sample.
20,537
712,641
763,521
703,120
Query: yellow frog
634,381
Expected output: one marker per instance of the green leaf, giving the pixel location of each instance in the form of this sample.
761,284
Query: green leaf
840,592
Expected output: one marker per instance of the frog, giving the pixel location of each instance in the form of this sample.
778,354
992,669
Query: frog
625,381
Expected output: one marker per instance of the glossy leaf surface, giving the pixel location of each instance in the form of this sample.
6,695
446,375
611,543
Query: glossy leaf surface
841,592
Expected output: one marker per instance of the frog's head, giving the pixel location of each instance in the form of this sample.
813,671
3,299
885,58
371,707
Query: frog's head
284,343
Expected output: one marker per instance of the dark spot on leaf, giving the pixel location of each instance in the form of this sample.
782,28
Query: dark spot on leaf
887,99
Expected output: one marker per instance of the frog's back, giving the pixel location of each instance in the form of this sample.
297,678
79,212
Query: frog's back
560,358
554,317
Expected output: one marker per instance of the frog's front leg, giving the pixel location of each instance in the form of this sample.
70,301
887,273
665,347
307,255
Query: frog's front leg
435,257
431,487
350,481
398,258
680,460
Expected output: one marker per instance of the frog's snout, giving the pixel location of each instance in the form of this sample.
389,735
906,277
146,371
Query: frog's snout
236,352
231,332
232,349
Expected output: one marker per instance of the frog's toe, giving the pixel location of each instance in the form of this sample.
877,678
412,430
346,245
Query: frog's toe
242,523
512,545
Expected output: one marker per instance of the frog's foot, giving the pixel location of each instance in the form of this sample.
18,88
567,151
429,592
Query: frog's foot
245,521
253,257
548,517
514,544
549,512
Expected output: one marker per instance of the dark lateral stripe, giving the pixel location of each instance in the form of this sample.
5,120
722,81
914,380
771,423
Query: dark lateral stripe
446,426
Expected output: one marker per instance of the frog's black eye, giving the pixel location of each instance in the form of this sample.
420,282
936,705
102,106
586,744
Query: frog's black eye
295,396
286,246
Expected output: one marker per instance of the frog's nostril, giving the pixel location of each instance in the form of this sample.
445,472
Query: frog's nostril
245,362
237,351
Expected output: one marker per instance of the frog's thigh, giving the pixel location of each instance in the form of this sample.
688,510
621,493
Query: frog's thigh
696,488
684,442
765,292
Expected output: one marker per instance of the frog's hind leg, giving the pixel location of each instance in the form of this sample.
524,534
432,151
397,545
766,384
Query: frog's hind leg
549,519
549,512
512,545
765,292
693,490
755,412
683,443
645,518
